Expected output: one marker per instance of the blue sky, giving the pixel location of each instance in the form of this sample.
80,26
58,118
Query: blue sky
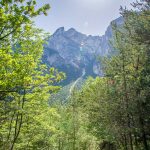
86,16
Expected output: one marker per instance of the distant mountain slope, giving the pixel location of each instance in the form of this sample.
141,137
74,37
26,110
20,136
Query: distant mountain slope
71,51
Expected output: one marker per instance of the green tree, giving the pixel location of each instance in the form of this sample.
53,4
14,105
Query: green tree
128,70
15,16
25,84
118,104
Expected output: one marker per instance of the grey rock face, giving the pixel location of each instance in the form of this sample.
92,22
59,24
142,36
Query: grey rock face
71,51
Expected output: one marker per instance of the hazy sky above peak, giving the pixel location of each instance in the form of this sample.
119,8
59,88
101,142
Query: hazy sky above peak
86,16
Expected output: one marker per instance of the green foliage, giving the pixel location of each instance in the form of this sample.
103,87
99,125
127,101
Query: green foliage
117,106
71,127
110,112
15,16
25,84
24,93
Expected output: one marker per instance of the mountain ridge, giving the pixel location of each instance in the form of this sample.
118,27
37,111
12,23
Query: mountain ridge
71,51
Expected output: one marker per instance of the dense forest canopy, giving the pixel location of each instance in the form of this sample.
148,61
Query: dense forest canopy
106,113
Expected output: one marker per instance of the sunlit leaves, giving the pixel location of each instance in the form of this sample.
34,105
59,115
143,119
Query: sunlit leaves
15,14
25,83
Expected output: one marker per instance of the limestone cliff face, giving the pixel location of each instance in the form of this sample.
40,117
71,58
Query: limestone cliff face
71,51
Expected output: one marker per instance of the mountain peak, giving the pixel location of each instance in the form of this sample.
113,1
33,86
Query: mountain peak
71,30
72,52
59,31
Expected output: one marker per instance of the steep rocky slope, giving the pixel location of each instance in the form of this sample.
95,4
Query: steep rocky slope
71,51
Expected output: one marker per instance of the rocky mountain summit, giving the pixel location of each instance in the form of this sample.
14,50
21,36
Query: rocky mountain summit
71,51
